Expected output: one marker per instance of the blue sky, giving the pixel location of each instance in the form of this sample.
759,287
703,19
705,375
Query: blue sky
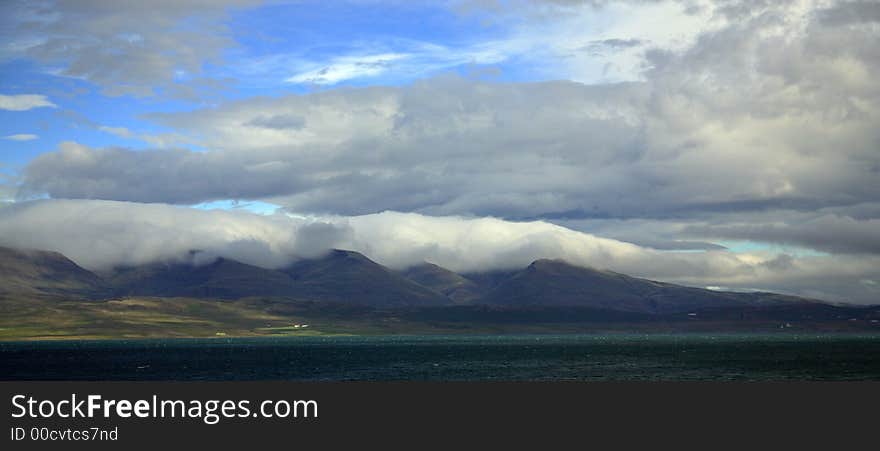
689,126
300,47
272,43
282,48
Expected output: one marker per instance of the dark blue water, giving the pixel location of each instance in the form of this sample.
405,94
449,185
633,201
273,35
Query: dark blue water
448,358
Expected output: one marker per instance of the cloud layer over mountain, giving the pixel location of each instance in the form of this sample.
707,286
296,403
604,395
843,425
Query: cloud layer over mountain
102,234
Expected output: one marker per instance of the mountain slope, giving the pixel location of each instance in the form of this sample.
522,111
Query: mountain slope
346,276
34,272
340,276
557,283
456,287
222,278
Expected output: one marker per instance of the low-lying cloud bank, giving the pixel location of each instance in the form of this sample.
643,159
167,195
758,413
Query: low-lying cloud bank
103,234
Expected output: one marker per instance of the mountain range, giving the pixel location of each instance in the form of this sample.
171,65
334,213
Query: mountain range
349,277
45,295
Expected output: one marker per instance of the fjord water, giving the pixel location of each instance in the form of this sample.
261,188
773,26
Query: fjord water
451,358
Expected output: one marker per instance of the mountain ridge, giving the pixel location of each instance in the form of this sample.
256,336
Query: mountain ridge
458,288
348,277
41,272
571,285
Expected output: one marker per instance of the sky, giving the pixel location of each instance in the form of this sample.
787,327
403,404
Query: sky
732,144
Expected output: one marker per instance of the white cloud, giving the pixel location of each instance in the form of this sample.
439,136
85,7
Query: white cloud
21,137
574,40
408,60
121,132
24,102
347,68
158,140
543,40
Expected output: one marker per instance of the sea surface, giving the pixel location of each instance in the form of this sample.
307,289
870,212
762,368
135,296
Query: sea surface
735,357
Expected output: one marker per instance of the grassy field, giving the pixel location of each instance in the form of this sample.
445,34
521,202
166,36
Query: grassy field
132,318
54,318
146,317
